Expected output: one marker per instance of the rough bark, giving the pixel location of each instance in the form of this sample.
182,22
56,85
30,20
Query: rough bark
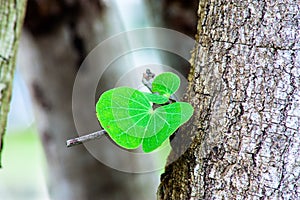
244,85
58,36
11,20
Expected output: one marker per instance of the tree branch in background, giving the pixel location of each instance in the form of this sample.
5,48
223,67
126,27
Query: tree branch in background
11,15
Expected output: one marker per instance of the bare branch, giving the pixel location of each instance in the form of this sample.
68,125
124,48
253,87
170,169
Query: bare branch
148,78
85,138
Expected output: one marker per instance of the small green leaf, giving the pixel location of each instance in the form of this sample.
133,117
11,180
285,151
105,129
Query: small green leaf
166,84
155,98
173,115
127,116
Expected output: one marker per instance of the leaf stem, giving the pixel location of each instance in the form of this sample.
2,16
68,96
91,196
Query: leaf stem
148,78
85,138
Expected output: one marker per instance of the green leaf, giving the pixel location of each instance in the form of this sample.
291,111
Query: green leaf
166,84
155,98
127,116
116,110
173,115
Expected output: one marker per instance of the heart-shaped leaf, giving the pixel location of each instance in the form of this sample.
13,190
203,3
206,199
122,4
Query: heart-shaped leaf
166,84
127,116
173,116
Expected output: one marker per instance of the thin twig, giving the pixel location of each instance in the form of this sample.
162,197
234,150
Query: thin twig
85,138
148,78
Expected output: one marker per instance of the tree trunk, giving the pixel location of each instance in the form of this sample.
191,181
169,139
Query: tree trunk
245,88
11,20
57,37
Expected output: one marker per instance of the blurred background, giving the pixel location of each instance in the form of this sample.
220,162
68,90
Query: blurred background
23,175
56,38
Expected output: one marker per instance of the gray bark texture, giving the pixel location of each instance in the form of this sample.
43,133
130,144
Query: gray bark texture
245,88
57,37
11,20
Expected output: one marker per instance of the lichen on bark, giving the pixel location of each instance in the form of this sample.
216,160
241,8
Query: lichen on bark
244,85
11,19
